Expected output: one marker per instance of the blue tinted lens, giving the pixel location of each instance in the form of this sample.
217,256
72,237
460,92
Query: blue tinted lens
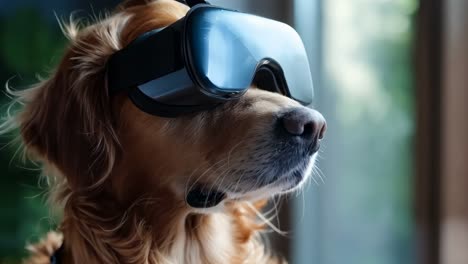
225,47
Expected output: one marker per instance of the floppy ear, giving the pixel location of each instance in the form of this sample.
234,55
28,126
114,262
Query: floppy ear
67,120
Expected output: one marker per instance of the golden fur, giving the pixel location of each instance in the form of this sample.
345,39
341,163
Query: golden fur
119,174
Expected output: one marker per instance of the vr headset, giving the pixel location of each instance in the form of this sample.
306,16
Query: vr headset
210,56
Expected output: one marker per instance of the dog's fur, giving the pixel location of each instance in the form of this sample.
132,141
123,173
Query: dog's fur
120,176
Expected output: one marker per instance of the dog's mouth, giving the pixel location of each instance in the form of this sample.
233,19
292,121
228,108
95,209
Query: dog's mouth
284,180
295,178
201,197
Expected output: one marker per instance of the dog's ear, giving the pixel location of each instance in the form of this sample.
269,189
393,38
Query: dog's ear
67,119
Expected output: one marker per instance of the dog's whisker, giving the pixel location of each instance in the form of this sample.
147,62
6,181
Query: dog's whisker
213,166
218,178
265,220
186,188
315,180
239,181
227,170
316,173
320,172
276,215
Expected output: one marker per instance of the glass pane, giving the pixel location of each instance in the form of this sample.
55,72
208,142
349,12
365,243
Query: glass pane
358,209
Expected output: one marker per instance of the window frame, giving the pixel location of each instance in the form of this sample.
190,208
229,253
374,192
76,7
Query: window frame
428,64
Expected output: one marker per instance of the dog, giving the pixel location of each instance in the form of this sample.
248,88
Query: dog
120,177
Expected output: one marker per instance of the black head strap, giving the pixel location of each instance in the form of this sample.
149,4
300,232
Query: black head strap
161,49
193,3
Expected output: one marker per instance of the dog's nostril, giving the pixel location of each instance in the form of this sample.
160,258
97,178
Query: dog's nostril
294,126
306,123
308,129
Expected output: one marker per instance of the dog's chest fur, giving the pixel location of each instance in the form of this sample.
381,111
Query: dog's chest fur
211,239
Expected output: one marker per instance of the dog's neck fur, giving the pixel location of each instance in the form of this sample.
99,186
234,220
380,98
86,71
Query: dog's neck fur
101,233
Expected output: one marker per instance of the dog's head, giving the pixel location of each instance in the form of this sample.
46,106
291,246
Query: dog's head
255,147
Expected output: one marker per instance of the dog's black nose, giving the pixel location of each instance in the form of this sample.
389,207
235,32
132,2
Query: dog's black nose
306,124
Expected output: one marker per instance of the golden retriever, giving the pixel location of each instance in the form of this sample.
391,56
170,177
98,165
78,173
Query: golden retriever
121,177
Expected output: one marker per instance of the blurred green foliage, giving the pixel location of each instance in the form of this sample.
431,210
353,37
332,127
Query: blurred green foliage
29,43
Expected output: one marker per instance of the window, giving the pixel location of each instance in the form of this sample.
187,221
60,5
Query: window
358,208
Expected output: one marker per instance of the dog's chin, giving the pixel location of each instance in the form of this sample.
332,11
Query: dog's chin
213,199
283,184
